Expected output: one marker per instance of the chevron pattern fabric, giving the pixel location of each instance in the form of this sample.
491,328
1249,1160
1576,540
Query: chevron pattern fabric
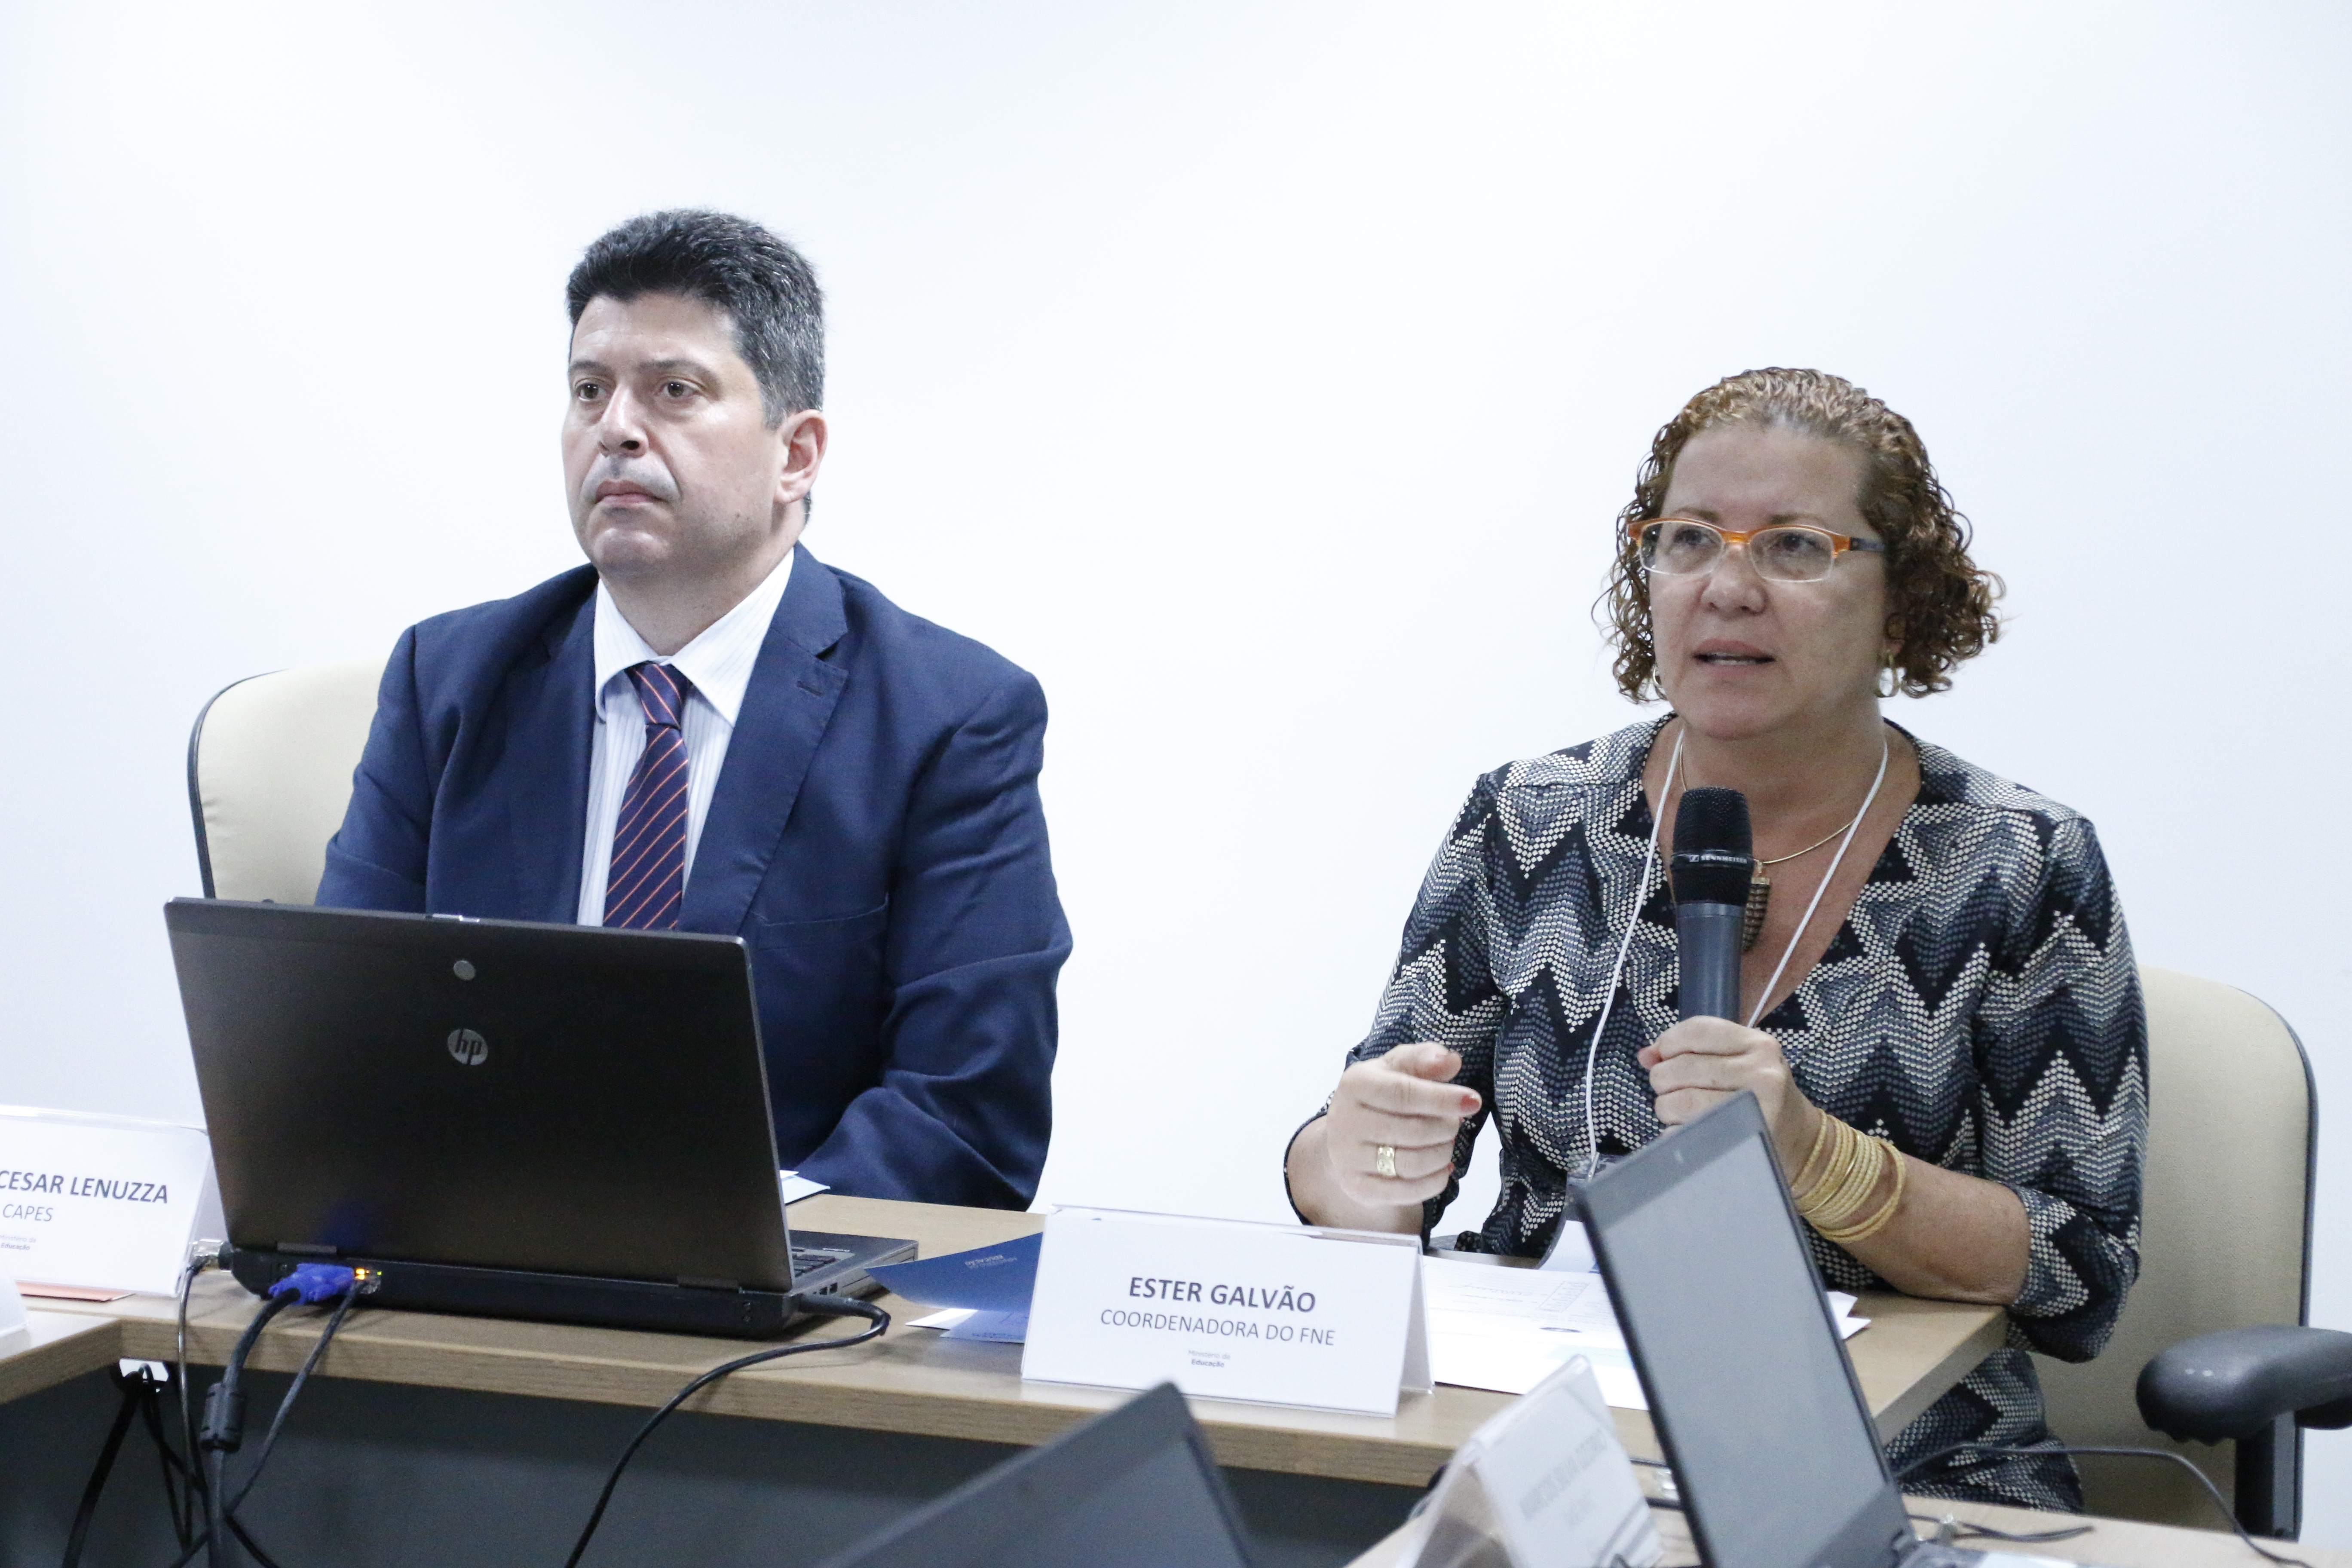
647,886
1979,1007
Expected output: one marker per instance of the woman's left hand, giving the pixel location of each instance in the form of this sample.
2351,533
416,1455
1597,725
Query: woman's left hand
1701,1062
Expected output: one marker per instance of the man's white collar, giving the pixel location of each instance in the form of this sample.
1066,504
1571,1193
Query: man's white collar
719,662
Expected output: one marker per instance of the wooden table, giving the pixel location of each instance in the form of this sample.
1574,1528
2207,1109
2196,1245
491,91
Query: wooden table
2120,1543
912,1381
1912,1353
65,1345
915,1380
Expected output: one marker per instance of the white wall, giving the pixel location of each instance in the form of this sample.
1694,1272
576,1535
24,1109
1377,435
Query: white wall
1263,376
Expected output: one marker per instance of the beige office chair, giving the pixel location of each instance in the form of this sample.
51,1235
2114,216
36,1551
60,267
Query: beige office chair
2225,1232
269,773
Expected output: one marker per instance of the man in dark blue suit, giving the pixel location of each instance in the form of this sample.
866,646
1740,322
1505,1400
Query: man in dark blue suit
704,729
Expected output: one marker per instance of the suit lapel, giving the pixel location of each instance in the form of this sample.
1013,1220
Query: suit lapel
546,768
786,708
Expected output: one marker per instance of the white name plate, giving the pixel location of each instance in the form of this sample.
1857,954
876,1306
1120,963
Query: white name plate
101,1203
15,1329
1228,1309
1546,1481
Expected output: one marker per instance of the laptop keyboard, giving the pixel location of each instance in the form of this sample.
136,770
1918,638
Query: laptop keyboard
808,1260
1935,1555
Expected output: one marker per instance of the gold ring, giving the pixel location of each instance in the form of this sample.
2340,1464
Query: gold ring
1384,1160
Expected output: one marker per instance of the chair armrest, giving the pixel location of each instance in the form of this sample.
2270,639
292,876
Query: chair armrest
2233,1384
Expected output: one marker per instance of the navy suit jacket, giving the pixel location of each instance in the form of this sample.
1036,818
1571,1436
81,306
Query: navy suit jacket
876,837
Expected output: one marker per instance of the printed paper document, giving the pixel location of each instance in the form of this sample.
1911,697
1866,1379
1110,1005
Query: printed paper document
1508,1329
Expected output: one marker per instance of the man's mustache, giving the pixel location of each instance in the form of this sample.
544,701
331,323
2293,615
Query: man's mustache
650,477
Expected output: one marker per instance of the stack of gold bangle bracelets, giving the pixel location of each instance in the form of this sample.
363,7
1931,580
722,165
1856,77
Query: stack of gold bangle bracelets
1837,1179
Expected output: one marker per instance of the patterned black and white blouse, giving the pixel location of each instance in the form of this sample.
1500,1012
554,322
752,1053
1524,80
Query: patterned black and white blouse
1979,1007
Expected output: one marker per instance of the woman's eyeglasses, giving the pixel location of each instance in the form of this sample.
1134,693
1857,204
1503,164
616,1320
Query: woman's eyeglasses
1788,553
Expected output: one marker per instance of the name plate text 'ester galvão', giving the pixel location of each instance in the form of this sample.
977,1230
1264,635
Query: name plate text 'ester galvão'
1228,1309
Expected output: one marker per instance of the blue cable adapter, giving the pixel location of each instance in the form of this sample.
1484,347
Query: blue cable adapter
316,1282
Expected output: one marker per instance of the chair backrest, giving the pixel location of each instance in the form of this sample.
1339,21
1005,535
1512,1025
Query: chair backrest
269,773
2225,1230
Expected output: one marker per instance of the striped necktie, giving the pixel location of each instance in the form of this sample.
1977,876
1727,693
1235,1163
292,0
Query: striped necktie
647,881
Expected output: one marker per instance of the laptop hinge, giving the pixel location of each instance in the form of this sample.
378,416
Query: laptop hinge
307,1248
695,1282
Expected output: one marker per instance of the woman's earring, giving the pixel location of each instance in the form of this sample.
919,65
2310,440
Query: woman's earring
1890,680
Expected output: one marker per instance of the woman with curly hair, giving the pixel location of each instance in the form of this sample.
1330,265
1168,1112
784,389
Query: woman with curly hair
1942,1022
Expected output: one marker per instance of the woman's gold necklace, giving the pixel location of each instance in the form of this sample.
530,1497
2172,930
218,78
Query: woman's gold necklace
1760,886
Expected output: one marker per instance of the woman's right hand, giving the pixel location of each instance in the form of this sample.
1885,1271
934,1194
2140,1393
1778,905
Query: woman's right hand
1405,1100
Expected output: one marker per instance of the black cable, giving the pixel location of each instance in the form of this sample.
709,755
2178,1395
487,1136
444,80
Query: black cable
224,1429
1968,1530
188,1553
2166,1454
269,1440
189,1464
235,1529
178,1497
184,1489
202,1539
286,1403
204,1466
824,1304
215,1536
180,1367
87,1511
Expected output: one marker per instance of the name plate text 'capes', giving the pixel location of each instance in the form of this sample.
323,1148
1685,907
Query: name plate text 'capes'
101,1203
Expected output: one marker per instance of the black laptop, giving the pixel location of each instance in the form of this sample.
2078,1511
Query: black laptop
1134,1487
1749,1388
500,1117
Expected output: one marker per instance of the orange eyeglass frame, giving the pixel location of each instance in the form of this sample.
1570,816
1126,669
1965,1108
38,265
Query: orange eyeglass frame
1843,542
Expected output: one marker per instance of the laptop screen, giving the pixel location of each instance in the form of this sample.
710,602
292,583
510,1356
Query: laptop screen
487,1094
1135,1487
1748,1384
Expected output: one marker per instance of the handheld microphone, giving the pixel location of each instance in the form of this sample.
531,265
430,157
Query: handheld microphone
1714,856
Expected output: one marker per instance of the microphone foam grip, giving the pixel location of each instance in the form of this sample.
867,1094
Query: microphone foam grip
1714,847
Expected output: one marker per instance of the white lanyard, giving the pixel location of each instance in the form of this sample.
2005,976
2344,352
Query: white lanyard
1633,919
1798,935
1617,971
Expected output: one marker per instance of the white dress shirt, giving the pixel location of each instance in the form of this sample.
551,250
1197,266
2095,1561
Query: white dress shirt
719,663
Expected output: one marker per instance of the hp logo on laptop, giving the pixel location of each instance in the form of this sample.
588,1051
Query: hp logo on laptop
468,1048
